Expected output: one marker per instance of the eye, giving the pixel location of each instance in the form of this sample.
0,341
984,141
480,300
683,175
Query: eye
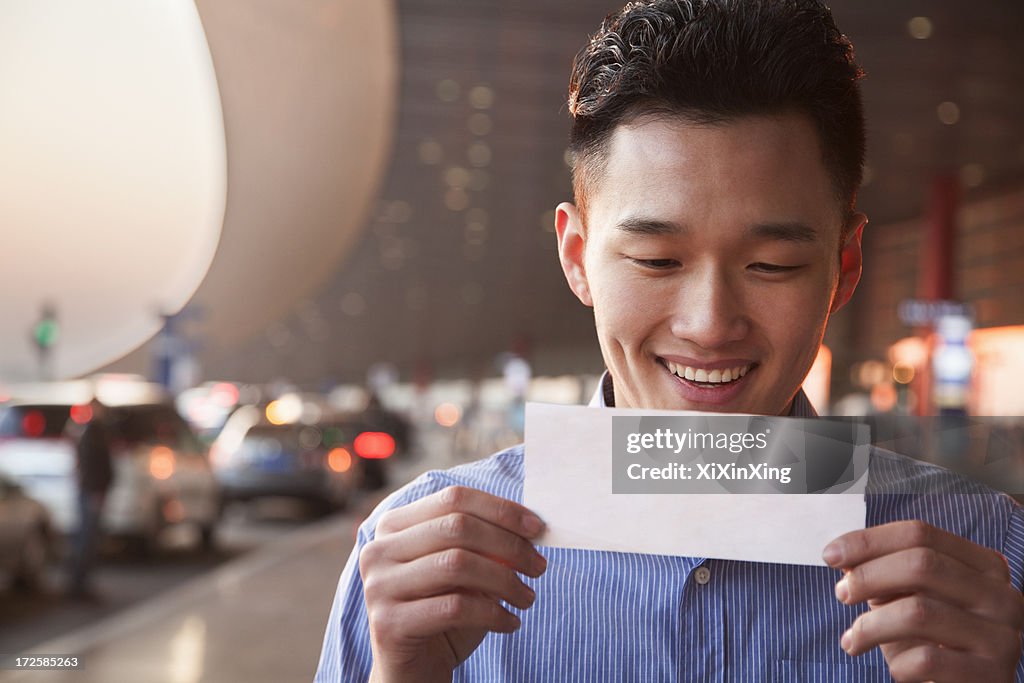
656,263
773,268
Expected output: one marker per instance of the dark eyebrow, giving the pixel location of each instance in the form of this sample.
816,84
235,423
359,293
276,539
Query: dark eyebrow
649,226
787,232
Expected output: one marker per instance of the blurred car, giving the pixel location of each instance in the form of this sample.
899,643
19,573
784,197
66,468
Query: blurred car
162,476
26,537
254,458
38,452
372,438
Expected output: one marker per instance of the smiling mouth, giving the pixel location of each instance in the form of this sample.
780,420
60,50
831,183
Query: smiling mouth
704,378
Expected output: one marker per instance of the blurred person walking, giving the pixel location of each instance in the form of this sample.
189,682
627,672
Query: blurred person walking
95,473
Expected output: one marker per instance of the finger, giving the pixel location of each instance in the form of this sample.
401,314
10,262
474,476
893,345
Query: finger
891,650
501,512
874,602
439,614
923,618
447,572
462,530
857,547
929,662
924,570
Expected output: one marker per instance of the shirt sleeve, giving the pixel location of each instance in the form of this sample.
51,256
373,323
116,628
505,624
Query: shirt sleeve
1013,545
346,656
346,649
1013,550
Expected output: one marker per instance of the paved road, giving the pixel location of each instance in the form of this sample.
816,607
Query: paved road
123,579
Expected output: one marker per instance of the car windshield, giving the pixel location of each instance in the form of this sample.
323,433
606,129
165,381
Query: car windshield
285,438
34,422
145,424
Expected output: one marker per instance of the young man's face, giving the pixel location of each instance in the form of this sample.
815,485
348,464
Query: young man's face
711,257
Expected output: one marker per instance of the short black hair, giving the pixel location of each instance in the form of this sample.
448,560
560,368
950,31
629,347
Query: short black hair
713,61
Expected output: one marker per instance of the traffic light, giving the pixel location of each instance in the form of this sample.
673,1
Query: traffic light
44,335
45,332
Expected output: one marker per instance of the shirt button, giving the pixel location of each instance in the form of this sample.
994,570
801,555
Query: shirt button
702,575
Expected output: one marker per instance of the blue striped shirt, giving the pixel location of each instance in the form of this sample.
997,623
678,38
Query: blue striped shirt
606,616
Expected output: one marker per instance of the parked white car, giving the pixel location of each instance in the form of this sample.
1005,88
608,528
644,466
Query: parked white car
162,476
26,537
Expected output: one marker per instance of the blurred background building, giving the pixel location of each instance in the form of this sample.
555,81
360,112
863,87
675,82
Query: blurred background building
389,177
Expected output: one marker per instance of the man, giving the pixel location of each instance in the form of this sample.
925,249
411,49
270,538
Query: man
718,149
95,474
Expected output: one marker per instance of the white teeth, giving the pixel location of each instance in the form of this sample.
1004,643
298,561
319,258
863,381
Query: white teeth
708,376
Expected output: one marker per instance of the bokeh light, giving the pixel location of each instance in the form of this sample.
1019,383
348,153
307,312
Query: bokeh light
447,414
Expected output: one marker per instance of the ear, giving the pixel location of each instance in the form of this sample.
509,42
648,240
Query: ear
850,262
572,243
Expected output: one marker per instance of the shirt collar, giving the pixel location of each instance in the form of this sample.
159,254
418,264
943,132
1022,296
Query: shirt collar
604,397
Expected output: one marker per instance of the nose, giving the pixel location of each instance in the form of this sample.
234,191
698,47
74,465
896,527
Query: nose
709,311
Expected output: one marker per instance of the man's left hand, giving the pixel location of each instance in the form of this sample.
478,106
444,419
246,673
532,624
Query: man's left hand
942,607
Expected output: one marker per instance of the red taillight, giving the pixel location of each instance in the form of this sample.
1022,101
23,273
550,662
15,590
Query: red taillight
374,445
33,423
81,413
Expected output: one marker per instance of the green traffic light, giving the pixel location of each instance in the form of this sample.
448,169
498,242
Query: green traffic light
45,333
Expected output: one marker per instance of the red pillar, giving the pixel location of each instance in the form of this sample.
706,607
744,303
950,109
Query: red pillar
935,269
935,274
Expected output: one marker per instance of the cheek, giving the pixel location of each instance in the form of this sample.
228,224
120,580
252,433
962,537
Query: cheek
795,324
621,300
803,308
623,308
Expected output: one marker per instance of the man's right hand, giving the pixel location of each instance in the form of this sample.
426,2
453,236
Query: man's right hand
435,575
